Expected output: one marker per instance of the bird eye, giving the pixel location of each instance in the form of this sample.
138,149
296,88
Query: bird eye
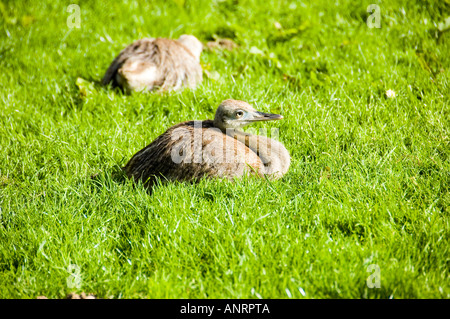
239,114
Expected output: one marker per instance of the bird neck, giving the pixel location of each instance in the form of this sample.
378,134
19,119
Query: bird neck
272,153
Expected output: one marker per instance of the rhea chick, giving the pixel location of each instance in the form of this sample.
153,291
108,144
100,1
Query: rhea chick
215,148
157,64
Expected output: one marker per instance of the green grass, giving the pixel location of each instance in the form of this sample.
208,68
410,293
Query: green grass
369,179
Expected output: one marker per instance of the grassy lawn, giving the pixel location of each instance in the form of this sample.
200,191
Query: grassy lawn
369,182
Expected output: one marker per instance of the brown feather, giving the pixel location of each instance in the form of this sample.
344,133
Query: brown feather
192,150
156,159
152,64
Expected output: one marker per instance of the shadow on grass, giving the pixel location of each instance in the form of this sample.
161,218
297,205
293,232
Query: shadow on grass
109,178
115,175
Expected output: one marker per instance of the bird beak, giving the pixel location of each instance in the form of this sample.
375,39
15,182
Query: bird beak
260,116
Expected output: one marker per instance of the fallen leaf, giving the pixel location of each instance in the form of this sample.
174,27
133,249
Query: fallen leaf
255,50
86,88
213,75
444,26
222,44
83,295
325,174
277,25
27,20
390,94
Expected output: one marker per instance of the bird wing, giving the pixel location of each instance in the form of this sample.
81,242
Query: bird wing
189,151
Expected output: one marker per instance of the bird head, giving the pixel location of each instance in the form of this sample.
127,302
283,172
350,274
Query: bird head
192,44
236,114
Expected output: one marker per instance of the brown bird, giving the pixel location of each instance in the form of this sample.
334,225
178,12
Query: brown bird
150,64
215,148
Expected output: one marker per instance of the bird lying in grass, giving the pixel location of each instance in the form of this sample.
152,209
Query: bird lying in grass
157,64
215,148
